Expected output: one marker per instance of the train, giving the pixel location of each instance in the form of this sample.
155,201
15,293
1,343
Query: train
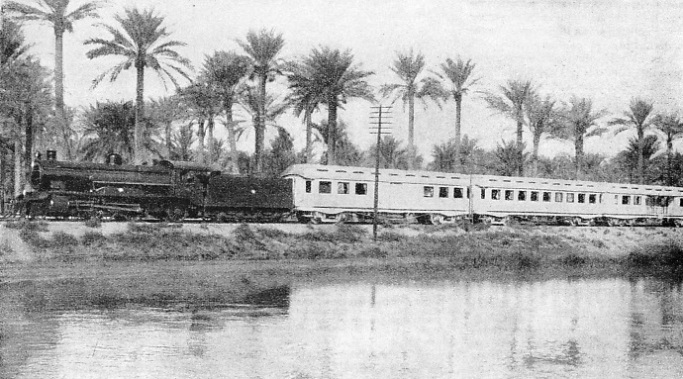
313,193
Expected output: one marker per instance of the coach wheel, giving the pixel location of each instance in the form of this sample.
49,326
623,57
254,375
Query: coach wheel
410,218
576,221
678,222
612,222
436,219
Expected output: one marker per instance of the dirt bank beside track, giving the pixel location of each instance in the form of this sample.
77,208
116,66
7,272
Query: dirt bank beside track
600,242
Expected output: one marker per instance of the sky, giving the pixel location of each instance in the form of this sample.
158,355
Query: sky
610,51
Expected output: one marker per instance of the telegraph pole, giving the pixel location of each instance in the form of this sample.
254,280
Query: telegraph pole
378,117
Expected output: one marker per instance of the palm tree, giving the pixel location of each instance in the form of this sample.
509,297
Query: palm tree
305,96
630,157
508,159
458,75
339,80
443,156
165,111
263,48
347,154
141,42
670,127
542,116
202,104
408,67
224,71
578,122
249,99
391,154
25,96
181,143
638,117
55,13
513,104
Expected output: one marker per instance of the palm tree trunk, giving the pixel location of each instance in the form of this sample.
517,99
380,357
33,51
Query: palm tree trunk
669,150
411,131
168,139
578,149
458,111
309,131
28,146
59,71
18,175
260,123
332,131
232,138
641,141
520,152
139,114
210,145
201,136
537,142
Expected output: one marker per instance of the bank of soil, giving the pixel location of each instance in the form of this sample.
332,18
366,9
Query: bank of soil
463,246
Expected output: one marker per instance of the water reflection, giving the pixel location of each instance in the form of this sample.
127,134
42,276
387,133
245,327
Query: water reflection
606,328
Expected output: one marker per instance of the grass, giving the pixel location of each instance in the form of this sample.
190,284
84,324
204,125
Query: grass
514,249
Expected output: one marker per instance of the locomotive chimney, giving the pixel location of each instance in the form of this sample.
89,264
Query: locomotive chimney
52,155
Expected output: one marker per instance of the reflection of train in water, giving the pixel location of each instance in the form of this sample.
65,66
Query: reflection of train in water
315,193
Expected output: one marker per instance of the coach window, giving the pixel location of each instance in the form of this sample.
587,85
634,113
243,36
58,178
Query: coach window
495,194
592,198
443,191
546,196
582,198
626,200
428,191
680,202
534,196
325,187
521,195
457,192
468,192
509,195
308,186
570,197
483,193
558,197
343,187
636,200
361,188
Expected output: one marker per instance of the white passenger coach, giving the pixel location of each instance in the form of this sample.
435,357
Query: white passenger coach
339,193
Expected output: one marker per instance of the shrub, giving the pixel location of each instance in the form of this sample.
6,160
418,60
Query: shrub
272,233
38,226
93,222
93,239
349,233
61,239
373,252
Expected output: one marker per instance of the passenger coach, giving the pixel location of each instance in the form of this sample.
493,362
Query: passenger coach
337,193
498,199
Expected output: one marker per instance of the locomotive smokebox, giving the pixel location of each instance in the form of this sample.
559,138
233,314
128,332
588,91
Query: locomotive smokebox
52,155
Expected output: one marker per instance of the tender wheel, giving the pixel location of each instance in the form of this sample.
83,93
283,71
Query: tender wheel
175,214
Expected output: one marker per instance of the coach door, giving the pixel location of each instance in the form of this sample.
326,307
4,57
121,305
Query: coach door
658,205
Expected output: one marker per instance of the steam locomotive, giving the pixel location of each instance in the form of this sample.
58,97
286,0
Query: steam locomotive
168,190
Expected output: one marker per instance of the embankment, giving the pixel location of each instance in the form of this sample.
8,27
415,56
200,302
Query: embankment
451,246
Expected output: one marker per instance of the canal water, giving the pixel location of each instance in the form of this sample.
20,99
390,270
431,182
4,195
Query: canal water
581,328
